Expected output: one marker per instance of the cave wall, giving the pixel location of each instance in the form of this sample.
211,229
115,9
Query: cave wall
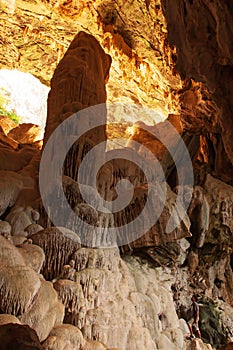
200,264
201,31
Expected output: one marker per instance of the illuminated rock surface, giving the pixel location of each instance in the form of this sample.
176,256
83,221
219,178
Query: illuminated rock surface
136,297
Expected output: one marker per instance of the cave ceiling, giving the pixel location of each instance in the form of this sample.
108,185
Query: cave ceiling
35,34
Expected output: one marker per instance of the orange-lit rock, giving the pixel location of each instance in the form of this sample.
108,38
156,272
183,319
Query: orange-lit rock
6,141
26,133
7,124
79,80
146,136
124,301
202,33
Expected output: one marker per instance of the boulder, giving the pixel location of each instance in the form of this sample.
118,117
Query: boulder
64,337
46,311
19,337
10,186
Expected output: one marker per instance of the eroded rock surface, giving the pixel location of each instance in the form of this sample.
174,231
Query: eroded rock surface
124,302
136,294
202,33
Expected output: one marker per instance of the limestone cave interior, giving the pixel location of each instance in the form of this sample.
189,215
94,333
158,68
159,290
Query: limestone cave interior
123,210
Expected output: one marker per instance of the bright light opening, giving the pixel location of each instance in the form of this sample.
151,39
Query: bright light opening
27,96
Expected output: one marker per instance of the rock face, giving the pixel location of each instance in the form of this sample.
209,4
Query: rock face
23,291
118,28
107,300
193,26
59,245
64,336
78,81
70,92
137,296
26,133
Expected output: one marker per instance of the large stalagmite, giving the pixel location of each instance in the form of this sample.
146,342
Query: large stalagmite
78,83
97,298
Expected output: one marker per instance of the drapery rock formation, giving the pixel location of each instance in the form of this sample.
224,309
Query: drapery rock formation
107,300
104,285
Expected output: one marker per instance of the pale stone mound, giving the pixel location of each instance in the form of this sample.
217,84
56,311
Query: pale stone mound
19,283
19,218
6,318
126,305
46,311
197,344
64,337
23,293
18,240
19,286
94,345
71,295
33,255
10,186
33,228
5,228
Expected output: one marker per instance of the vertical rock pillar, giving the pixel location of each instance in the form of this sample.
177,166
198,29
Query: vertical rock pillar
78,83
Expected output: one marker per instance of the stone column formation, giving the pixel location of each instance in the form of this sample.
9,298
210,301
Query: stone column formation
78,83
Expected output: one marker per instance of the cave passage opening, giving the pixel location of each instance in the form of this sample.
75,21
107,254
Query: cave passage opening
23,97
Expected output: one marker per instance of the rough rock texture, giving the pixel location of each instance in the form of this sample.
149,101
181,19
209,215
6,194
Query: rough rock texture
11,184
19,337
46,29
20,217
197,344
23,292
146,137
39,32
26,133
202,33
45,313
80,84
128,302
58,244
70,92
131,291
199,213
19,283
7,124
33,255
